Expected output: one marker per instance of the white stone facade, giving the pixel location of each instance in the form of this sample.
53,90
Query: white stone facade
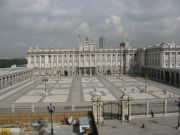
160,62
165,55
12,76
86,60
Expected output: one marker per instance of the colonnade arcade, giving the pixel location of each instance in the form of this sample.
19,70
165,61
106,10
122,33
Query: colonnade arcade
169,76
9,79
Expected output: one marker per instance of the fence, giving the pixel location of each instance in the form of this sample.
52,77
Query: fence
42,107
111,109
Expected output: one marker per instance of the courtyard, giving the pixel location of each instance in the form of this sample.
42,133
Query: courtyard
80,89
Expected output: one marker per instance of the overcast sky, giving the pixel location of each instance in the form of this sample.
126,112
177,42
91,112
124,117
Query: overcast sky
58,23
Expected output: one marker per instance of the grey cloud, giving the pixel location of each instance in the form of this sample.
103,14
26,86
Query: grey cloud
58,23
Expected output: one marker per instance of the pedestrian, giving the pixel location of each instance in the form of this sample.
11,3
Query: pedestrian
143,125
126,117
152,113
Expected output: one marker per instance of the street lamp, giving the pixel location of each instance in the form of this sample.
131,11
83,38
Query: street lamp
178,104
51,108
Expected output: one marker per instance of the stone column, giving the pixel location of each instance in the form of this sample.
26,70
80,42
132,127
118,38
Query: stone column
105,59
165,107
40,61
121,62
169,59
126,107
97,108
29,61
90,60
84,64
111,59
73,60
162,59
95,60
79,56
116,60
57,60
34,61
68,60
62,60
5,82
46,61
52,61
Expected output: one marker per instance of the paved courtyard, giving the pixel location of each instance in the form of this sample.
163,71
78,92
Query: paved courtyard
81,89
140,89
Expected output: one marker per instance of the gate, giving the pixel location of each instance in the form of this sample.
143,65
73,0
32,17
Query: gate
111,110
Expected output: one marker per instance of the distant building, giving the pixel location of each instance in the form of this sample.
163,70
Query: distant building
101,42
160,62
85,60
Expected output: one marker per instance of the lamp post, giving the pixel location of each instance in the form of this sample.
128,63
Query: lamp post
178,104
51,110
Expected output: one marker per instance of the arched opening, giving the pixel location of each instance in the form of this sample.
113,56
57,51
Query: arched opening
172,78
66,73
108,72
177,78
87,71
155,74
161,75
167,77
158,75
3,85
93,72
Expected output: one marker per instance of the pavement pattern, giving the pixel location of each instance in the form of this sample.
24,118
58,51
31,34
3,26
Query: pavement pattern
140,89
81,89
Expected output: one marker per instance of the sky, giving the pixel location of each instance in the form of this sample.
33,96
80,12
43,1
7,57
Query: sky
58,23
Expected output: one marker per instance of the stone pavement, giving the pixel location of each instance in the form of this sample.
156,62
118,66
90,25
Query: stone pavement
137,88
153,126
91,84
79,90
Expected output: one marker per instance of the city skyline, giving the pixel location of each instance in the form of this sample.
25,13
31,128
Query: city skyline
58,24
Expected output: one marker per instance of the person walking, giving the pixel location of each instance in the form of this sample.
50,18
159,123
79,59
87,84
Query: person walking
152,113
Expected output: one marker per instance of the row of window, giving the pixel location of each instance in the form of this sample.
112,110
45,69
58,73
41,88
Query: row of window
173,53
83,55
